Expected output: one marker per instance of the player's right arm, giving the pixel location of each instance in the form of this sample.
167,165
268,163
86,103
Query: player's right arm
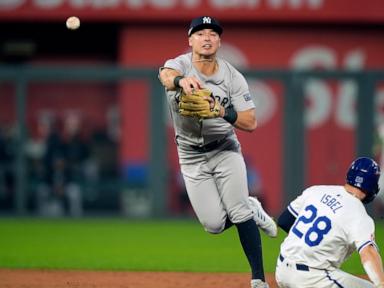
373,265
168,76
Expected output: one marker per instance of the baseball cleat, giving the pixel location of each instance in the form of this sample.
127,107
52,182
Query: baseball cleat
257,283
262,219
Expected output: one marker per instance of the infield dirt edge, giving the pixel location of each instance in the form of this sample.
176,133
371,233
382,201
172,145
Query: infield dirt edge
40,278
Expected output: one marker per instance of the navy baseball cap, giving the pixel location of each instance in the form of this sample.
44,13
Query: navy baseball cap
205,22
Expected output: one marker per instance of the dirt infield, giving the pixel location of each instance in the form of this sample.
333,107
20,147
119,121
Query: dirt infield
102,279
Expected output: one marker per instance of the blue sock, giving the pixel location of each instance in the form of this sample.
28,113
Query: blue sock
250,240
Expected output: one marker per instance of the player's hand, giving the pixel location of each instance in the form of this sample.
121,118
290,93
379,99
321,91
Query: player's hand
190,84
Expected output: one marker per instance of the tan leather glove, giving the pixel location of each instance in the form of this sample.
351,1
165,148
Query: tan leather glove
200,104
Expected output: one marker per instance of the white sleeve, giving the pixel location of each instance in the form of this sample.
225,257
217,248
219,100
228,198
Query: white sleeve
362,233
296,205
240,96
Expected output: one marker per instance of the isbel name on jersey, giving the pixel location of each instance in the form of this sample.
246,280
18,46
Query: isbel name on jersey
331,202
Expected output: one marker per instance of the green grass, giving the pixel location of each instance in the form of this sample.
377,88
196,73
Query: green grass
120,244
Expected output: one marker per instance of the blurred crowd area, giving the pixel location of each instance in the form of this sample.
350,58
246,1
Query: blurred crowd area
73,169
66,166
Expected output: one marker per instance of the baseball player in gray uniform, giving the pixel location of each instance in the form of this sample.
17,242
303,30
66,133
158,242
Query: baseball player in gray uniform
326,224
209,151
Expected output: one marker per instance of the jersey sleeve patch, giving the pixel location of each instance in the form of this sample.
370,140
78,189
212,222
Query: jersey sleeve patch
247,97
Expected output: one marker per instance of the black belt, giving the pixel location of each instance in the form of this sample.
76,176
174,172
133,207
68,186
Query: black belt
300,267
208,147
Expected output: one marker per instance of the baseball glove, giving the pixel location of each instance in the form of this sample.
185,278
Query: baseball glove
200,104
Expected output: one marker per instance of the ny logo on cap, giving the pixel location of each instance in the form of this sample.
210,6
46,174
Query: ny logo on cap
207,20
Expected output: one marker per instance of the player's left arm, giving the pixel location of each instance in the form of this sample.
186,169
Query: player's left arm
373,265
241,105
286,220
290,214
246,120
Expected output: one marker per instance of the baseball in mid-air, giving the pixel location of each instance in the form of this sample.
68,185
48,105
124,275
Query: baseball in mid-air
73,23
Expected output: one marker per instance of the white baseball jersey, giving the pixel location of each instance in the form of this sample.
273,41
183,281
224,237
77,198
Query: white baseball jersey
330,225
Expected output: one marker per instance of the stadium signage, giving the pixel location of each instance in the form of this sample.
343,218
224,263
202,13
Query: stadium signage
163,4
237,10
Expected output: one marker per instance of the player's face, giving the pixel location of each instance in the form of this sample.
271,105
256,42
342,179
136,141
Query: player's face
205,42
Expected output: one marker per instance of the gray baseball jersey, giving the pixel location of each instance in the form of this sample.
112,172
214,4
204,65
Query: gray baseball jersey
330,225
215,178
227,85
